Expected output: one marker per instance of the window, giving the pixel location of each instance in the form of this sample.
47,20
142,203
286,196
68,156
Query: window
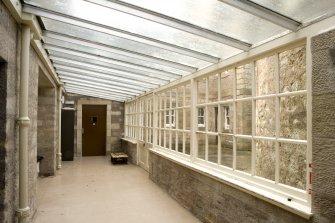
170,120
201,117
227,117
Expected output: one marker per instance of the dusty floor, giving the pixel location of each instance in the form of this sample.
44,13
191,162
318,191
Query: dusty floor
92,190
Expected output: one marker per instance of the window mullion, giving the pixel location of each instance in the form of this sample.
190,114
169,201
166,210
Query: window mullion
253,120
277,79
219,120
235,119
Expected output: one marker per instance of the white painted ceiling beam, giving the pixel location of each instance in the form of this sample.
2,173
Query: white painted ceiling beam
90,94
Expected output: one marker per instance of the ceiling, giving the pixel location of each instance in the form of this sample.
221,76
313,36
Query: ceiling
121,49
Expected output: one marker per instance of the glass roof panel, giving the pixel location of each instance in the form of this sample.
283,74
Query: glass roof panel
90,50
220,18
300,10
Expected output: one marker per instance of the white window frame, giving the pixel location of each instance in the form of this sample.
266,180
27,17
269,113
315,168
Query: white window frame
227,117
203,116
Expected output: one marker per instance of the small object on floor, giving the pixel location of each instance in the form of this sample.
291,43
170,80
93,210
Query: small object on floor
119,158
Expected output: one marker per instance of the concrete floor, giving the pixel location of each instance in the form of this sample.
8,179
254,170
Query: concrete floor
91,189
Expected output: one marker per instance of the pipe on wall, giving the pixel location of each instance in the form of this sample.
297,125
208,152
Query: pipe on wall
23,211
59,152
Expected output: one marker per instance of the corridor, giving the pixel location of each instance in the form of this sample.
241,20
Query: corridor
91,189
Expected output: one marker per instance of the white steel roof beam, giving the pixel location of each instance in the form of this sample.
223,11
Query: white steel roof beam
69,53
115,85
74,91
115,50
97,91
66,79
105,65
73,63
264,13
171,22
95,88
111,31
125,81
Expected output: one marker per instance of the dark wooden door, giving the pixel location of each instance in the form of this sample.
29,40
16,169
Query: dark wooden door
67,133
94,130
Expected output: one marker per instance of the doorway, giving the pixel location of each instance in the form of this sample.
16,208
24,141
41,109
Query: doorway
94,130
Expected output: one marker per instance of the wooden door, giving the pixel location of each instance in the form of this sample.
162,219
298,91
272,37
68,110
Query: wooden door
94,130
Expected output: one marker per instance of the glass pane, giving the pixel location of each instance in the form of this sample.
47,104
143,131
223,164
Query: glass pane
265,79
227,80
300,10
162,101
265,159
293,165
227,150
167,99
243,155
162,143
293,117
212,148
227,118
180,91
244,81
266,117
173,140
293,69
167,139
243,112
201,139
173,99
173,119
201,86
187,94
213,82
162,118
188,118
180,141
187,143
180,118
201,119
212,113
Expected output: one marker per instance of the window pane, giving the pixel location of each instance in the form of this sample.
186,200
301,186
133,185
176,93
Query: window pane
201,86
244,81
187,143
243,155
213,81
227,80
180,141
227,118
265,159
243,112
167,139
201,139
227,150
180,91
167,99
293,165
265,76
266,117
188,118
173,99
180,118
212,114
162,118
293,117
293,69
212,148
162,101
187,95
201,119
173,140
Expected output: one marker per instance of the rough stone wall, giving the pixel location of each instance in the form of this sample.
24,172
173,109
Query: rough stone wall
46,131
9,48
130,149
213,201
117,120
323,127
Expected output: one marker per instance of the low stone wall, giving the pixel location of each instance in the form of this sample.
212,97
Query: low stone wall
130,148
213,201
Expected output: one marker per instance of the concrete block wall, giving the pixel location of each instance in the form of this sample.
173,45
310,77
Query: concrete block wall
130,148
117,122
46,131
323,126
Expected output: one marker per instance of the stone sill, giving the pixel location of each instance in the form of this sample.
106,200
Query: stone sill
133,141
280,201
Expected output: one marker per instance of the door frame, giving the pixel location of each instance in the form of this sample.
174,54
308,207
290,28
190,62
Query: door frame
79,128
